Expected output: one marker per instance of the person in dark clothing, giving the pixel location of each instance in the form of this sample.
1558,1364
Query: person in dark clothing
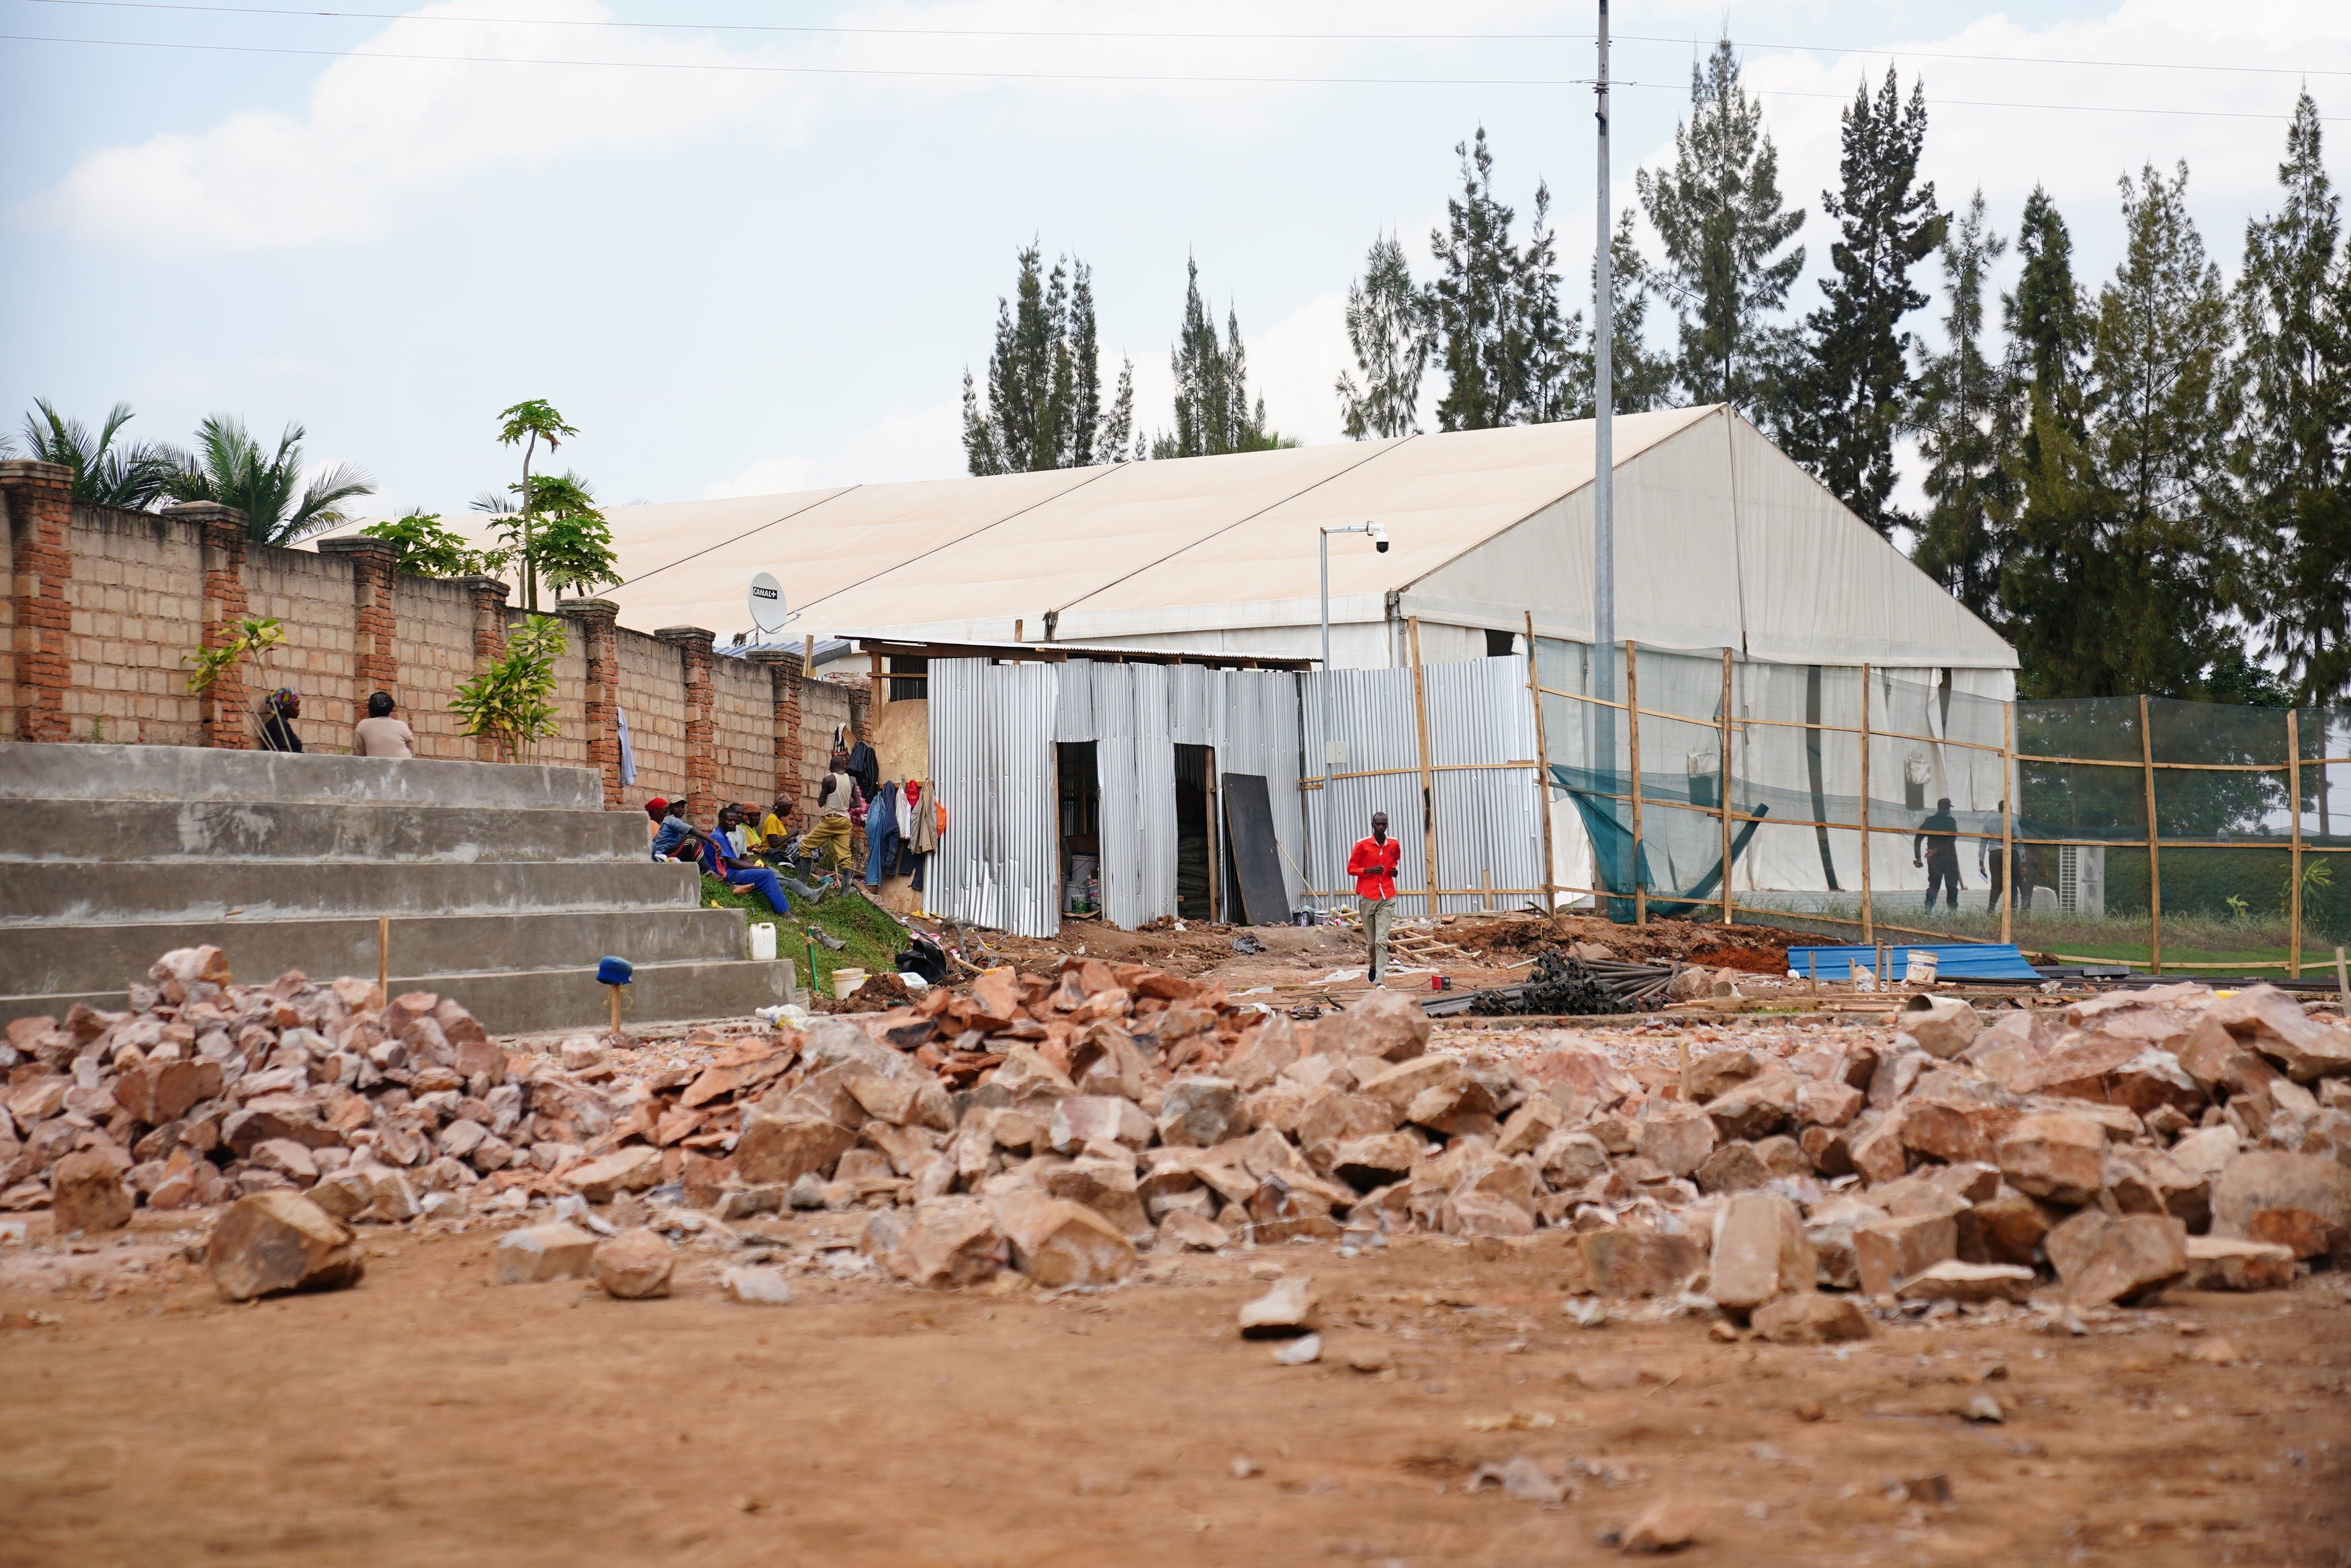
1939,836
719,859
860,763
1991,861
279,709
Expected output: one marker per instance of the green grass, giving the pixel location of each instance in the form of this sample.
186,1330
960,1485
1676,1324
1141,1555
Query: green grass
874,938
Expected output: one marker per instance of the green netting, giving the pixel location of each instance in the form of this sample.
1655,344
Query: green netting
1937,764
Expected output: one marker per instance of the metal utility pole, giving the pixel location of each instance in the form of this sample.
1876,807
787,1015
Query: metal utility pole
1603,762
1603,480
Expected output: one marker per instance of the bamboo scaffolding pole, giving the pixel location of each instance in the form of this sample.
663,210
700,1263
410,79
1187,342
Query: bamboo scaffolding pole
1542,772
2293,882
2154,855
2008,826
1868,915
1633,755
1427,783
1723,800
384,960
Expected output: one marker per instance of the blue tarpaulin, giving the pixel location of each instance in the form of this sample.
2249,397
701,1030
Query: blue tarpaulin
1953,961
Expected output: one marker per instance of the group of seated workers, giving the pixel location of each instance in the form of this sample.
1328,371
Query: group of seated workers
735,851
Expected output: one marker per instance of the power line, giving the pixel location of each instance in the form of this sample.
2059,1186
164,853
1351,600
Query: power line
1167,36
1178,79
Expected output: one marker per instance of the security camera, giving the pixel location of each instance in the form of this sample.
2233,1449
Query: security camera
1379,539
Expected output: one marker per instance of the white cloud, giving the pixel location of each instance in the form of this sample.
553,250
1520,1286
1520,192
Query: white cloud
382,137
921,440
1295,363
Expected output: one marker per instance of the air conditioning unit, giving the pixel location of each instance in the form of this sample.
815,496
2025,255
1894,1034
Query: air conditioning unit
2081,878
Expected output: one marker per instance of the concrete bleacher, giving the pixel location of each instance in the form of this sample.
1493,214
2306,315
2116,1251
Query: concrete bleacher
504,884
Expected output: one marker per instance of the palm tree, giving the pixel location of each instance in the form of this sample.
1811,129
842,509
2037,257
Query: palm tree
526,425
131,476
229,466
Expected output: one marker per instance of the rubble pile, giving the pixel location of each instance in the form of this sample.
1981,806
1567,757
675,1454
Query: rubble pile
1054,1125
205,1091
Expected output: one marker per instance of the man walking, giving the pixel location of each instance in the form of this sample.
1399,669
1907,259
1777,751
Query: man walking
1373,865
1939,836
1991,861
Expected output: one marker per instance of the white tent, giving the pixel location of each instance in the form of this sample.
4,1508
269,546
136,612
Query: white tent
1722,541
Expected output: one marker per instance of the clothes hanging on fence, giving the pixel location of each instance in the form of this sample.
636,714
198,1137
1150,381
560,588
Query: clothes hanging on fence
882,837
627,751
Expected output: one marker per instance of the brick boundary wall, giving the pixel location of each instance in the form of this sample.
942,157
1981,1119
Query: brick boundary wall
42,679
40,526
373,617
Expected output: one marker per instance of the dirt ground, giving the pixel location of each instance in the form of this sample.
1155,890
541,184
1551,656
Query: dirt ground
428,1416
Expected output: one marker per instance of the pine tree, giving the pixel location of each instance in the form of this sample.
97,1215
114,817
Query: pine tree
1387,329
1960,399
1043,408
2134,505
1213,413
1844,400
2046,320
2292,459
1509,353
1719,218
1639,378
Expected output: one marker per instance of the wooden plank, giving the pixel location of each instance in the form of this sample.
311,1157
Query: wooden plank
2008,823
1427,783
1723,802
1868,915
2294,892
1542,771
2154,855
1632,759
1257,854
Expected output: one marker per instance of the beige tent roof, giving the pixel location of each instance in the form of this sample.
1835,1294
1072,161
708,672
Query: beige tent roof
1196,545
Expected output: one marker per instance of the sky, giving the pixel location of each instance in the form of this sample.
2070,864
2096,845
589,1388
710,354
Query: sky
748,247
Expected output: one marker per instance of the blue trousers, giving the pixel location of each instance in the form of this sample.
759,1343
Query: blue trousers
765,883
881,843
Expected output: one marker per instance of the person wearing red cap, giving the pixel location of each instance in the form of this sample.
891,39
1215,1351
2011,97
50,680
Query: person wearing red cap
655,808
1373,865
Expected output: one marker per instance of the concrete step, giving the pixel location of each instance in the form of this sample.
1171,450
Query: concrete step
531,1001
88,892
311,831
95,958
31,770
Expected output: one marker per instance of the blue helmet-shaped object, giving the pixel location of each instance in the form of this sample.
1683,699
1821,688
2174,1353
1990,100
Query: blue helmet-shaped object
614,971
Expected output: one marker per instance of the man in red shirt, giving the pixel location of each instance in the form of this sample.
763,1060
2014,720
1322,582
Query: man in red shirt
1373,865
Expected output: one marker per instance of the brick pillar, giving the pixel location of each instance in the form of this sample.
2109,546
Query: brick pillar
374,622
226,709
698,648
40,515
784,676
489,638
600,630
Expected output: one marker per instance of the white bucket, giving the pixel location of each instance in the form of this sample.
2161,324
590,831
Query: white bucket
763,944
845,981
1921,968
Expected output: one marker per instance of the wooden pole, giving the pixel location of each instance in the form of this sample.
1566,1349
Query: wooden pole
1428,779
616,1010
808,656
1543,773
2154,855
1215,910
2293,877
881,687
2008,823
1486,886
1633,757
1723,800
382,960
2343,982
1868,916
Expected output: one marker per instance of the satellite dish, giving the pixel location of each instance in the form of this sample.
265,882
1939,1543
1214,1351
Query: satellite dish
768,604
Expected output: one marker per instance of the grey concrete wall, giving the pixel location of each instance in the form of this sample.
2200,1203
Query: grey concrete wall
31,771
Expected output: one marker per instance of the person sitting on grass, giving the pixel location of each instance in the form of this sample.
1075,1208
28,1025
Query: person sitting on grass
719,859
674,839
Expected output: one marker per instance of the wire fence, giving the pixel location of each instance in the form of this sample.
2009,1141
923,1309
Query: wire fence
2176,836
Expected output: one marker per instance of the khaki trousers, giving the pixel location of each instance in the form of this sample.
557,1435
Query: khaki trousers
1377,914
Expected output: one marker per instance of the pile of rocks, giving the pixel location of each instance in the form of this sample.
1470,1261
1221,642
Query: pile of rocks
1055,1125
204,1091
